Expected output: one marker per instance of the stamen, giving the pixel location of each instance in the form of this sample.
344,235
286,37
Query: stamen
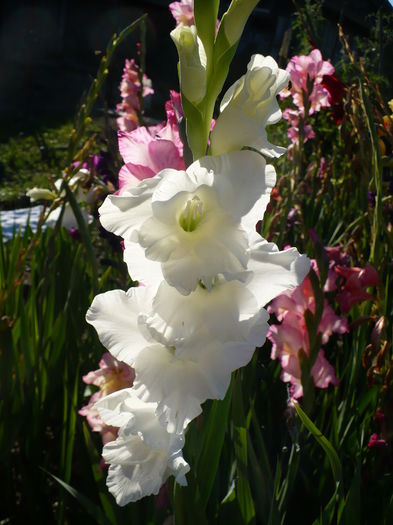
192,214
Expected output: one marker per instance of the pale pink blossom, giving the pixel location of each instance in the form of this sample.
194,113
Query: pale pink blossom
148,150
306,74
290,339
112,375
173,108
308,92
130,88
145,153
323,372
293,116
183,12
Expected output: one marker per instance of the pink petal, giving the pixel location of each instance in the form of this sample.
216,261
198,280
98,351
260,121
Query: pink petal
323,372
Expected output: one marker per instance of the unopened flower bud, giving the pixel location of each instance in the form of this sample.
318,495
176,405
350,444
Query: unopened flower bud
37,194
192,58
236,19
377,333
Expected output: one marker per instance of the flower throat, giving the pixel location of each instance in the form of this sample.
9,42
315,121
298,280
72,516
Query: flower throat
192,214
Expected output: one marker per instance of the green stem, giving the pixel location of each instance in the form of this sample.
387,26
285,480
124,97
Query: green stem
83,119
375,253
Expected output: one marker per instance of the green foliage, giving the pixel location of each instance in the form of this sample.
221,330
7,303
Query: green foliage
307,25
376,50
45,291
28,159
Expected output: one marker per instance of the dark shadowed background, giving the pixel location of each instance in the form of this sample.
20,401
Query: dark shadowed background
50,49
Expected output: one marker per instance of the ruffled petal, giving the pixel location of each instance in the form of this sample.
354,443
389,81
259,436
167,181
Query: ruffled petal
248,107
123,214
274,271
144,454
114,315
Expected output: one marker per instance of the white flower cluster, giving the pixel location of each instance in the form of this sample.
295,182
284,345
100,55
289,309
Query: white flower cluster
190,238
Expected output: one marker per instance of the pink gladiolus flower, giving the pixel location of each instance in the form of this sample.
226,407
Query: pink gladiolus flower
308,71
183,12
145,154
111,376
354,289
356,280
129,88
173,108
148,150
336,255
376,441
292,116
309,88
291,342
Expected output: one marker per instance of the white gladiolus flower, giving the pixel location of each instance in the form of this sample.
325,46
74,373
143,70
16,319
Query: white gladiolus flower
195,222
230,311
184,348
68,220
144,455
37,194
206,275
178,378
192,57
248,107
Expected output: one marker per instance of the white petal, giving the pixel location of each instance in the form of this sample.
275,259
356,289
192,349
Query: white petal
239,179
130,482
248,107
275,271
123,214
144,454
232,92
111,408
175,181
235,130
221,360
178,467
251,218
226,313
177,386
124,409
217,246
140,268
114,315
